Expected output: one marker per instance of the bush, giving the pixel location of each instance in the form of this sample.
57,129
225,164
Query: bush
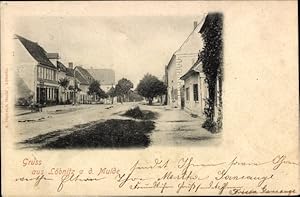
24,101
210,126
137,113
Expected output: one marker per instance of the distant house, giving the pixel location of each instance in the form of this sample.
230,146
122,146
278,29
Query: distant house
84,79
106,77
195,89
66,95
36,71
180,62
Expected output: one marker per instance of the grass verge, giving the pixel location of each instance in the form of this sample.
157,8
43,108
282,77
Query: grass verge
113,133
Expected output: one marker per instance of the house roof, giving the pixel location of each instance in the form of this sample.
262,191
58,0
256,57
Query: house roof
83,76
53,55
173,56
184,48
36,51
81,79
188,46
196,68
104,76
61,66
70,72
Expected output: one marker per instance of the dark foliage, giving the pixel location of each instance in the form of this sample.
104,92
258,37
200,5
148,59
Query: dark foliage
137,113
210,125
109,134
212,59
24,101
133,96
150,87
64,83
95,89
123,87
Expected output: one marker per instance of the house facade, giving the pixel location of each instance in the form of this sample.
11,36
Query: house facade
66,95
195,90
83,80
36,72
181,61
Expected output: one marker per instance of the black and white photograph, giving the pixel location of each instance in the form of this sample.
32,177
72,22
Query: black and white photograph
76,88
149,98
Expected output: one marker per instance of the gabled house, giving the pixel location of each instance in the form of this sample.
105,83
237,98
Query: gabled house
106,77
35,70
66,95
181,61
83,79
195,89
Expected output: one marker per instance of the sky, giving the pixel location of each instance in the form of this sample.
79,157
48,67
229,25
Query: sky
130,45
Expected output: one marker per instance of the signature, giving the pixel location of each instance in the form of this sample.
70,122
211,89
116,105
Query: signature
74,178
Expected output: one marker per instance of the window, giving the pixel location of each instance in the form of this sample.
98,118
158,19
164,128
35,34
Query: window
42,73
38,72
195,90
51,74
187,94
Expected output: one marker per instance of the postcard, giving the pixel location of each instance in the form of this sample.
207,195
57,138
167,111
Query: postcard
149,98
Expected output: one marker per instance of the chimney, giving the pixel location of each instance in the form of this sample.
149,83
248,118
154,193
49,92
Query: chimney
195,24
71,65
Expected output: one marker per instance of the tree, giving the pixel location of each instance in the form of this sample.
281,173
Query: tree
122,88
96,91
212,59
74,89
112,93
64,83
150,87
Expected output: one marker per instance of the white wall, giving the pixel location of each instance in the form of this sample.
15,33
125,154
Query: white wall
25,67
105,88
172,83
183,63
195,107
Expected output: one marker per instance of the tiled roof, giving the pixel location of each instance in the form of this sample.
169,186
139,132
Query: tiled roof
81,79
196,68
85,74
104,76
36,51
53,55
61,66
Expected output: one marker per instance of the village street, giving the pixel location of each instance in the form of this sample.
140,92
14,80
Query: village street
173,127
109,98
